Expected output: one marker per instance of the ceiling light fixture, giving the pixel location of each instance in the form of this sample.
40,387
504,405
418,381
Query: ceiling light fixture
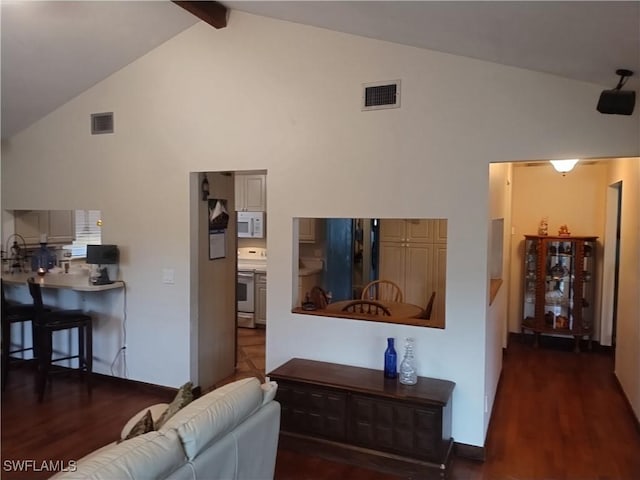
564,166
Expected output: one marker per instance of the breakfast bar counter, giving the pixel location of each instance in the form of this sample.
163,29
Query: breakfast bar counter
73,281
106,304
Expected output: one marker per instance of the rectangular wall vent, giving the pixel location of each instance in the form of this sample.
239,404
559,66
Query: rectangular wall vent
101,123
378,95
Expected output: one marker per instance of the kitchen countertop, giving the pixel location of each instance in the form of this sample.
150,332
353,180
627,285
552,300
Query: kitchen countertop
310,266
255,267
73,281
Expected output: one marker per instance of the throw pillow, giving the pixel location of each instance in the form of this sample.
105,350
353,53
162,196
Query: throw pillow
182,399
142,426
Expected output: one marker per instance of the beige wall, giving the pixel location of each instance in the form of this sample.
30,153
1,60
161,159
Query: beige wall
577,199
265,94
500,202
627,366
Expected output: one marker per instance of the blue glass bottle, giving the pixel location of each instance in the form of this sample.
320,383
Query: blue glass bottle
390,360
43,258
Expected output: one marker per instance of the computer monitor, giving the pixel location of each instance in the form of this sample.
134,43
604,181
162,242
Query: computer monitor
102,254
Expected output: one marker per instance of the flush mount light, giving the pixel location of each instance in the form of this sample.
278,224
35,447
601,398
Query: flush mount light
564,166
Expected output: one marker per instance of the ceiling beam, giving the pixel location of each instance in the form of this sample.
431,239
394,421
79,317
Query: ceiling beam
214,13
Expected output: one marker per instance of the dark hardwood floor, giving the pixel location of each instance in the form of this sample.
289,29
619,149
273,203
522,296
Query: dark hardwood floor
558,415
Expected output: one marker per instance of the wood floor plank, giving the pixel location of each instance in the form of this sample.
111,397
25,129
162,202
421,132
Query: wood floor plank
557,415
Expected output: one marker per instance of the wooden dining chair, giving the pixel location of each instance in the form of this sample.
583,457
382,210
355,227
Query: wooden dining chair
426,313
382,290
367,307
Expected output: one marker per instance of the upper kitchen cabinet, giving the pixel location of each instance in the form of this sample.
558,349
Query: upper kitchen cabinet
307,230
58,225
413,254
251,192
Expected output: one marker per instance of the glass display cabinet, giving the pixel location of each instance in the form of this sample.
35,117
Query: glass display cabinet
558,286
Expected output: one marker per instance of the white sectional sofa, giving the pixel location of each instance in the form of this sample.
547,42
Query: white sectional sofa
229,433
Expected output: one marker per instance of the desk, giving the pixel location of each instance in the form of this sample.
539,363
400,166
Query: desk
404,313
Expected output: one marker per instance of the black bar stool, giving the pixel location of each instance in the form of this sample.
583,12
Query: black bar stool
13,313
47,322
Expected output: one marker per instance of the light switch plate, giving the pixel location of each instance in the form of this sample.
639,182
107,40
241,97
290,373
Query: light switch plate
168,276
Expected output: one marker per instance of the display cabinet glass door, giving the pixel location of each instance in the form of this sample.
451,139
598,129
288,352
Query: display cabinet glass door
558,286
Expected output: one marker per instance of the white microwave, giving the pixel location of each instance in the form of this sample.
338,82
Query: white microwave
250,224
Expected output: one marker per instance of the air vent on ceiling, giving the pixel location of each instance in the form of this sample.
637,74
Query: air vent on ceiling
378,95
101,123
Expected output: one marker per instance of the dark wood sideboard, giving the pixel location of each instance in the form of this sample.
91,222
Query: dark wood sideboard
355,415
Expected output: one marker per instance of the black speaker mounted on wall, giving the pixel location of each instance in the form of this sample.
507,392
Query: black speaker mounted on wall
616,101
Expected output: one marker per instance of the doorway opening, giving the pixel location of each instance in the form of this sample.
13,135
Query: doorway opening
611,265
250,204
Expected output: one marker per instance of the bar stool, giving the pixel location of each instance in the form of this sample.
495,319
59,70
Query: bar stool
47,322
13,313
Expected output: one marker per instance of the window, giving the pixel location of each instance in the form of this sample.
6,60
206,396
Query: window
88,232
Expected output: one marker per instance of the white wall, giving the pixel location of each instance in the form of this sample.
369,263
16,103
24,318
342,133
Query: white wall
627,366
265,94
500,202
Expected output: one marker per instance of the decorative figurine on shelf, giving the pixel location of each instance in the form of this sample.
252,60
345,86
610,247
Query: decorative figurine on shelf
543,228
564,231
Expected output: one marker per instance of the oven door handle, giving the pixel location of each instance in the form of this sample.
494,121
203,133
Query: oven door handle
246,275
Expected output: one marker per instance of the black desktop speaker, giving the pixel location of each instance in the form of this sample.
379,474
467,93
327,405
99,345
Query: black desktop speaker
617,102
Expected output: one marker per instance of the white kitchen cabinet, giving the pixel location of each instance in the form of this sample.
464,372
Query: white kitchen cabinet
307,230
413,254
58,225
414,230
261,298
251,192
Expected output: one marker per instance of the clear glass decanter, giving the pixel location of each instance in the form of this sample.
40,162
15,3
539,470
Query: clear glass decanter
408,372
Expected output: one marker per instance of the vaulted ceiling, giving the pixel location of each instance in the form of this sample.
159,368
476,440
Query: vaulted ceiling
54,50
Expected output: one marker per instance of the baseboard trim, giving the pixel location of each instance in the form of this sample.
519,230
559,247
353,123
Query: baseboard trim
135,384
472,452
560,342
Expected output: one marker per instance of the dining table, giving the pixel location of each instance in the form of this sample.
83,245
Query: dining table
401,312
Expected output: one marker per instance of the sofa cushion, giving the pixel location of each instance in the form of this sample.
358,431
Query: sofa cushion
269,390
152,455
156,411
215,414
142,426
183,397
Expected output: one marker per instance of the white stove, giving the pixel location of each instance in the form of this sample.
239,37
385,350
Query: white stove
252,258
250,261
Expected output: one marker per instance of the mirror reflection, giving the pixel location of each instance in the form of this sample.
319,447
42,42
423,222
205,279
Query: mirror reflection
378,269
